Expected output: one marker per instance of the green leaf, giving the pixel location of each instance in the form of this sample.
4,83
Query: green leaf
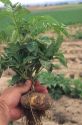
46,78
32,46
58,43
63,30
6,1
45,40
54,47
55,93
28,50
16,79
9,8
29,59
46,64
61,58
50,50
12,48
56,66
39,24
14,36
3,36
20,13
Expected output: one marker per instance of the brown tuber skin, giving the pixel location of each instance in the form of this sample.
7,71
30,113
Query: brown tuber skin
37,99
35,103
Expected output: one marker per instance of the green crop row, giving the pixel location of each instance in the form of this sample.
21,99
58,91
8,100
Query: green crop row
69,15
59,85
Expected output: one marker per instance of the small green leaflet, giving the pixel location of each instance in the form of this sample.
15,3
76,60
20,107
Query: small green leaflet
61,58
46,64
46,78
6,1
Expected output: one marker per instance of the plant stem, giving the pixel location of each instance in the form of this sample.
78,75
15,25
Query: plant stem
16,25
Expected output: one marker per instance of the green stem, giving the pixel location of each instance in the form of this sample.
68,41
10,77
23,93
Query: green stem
21,74
16,25
36,74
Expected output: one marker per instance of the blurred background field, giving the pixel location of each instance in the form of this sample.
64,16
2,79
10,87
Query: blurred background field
67,14
69,110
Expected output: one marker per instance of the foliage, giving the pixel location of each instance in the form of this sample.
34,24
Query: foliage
28,52
58,85
69,14
76,88
77,35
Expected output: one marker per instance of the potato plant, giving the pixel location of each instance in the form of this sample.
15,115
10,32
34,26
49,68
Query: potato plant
29,51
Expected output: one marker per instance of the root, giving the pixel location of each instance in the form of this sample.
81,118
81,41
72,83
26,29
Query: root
33,117
35,104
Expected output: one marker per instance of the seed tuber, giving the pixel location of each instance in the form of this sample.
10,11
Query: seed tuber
35,104
36,101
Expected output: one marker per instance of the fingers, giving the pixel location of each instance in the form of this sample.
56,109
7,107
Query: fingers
16,113
39,88
26,87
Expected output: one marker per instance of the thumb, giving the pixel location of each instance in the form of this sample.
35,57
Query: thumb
26,87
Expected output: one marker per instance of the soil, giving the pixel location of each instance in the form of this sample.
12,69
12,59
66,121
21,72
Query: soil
58,7
73,54
65,111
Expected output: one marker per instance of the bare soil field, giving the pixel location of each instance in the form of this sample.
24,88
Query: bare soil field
73,54
58,7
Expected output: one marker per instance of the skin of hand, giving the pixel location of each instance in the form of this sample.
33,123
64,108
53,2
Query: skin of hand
39,88
9,100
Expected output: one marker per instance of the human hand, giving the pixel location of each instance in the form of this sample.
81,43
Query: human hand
10,100
40,88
